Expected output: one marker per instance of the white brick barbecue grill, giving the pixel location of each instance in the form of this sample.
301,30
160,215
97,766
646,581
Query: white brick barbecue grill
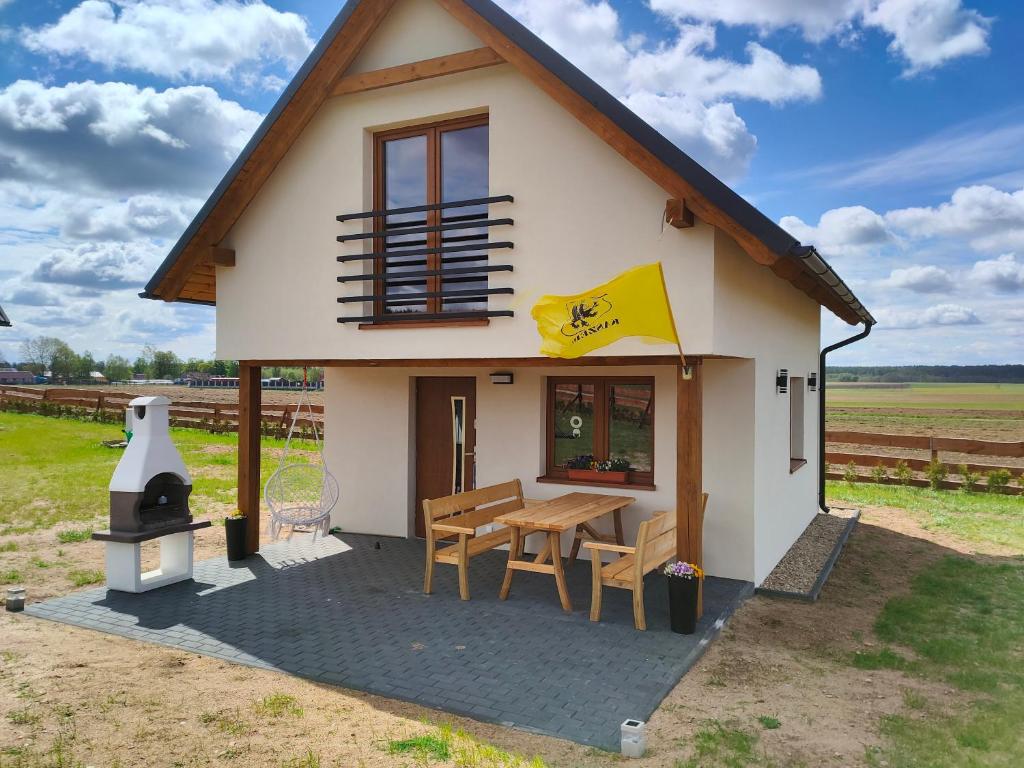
149,500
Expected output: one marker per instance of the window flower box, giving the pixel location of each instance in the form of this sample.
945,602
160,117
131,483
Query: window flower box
596,476
588,469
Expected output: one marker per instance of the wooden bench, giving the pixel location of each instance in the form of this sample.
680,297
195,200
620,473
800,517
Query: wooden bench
655,545
460,516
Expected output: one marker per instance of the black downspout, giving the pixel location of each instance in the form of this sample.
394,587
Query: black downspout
821,409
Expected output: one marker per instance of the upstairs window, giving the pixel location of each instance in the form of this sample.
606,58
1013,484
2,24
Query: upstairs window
436,271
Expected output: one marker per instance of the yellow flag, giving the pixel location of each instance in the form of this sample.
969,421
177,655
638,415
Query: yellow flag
633,304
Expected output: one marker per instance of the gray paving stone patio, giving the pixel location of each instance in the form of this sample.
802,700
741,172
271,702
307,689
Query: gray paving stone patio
346,613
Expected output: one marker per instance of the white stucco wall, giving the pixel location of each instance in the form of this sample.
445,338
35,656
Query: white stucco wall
370,448
728,468
370,444
401,37
582,215
759,316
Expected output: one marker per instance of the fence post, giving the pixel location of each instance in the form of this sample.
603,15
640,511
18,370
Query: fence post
931,447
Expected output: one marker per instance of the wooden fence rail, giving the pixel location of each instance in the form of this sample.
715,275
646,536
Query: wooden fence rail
926,443
934,445
199,414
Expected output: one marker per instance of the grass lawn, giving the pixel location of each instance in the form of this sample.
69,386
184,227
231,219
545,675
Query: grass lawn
953,624
962,624
974,517
55,470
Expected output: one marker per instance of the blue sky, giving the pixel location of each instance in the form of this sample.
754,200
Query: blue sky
890,133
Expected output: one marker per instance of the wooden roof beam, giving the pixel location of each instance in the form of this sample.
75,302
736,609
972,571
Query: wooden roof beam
220,257
364,21
677,214
449,64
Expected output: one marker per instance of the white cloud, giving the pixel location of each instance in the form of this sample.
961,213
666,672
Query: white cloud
920,279
99,266
679,87
992,220
1003,274
176,39
683,68
137,216
924,33
117,136
928,33
33,296
841,231
817,19
938,315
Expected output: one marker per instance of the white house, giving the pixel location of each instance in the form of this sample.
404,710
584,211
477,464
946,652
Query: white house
523,178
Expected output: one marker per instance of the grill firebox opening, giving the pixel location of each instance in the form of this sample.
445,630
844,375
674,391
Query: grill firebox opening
164,501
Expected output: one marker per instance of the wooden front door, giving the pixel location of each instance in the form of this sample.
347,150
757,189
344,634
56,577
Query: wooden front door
445,439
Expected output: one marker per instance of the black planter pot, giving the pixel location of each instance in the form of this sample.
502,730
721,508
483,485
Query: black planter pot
682,604
235,528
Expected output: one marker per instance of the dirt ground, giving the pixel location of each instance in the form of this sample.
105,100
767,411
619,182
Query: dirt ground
110,701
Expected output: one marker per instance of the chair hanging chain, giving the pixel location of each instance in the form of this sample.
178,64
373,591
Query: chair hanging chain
303,398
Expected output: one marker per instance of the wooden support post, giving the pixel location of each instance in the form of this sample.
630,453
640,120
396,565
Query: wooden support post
249,405
689,450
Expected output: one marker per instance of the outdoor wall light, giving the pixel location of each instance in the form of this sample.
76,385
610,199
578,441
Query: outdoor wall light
501,378
812,381
782,381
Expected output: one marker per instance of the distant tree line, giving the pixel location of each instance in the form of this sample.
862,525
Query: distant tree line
48,355
933,374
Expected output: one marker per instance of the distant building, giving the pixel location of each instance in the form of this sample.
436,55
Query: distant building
14,376
96,377
138,377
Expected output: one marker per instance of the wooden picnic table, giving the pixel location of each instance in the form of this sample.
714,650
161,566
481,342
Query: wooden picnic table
554,517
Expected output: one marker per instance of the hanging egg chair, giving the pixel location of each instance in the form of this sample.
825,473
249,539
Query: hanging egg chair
301,493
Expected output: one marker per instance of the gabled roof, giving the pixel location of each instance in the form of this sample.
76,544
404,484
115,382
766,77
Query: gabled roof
187,273
5,322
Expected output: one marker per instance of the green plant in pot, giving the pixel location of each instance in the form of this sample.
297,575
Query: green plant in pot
236,527
587,468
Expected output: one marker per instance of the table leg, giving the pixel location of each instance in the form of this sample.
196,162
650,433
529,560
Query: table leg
544,552
577,538
514,551
617,517
555,545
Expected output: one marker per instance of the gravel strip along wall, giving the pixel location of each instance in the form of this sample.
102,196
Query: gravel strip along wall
804,569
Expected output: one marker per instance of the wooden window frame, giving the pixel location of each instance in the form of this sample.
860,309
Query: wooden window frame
601,425
795,462
433,133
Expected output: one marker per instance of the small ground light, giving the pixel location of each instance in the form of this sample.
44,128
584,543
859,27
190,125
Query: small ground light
634,738
15,599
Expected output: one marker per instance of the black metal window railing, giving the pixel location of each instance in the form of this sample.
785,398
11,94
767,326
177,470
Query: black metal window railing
427,262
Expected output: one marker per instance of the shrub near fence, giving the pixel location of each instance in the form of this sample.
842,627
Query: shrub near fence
110,407
935,469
